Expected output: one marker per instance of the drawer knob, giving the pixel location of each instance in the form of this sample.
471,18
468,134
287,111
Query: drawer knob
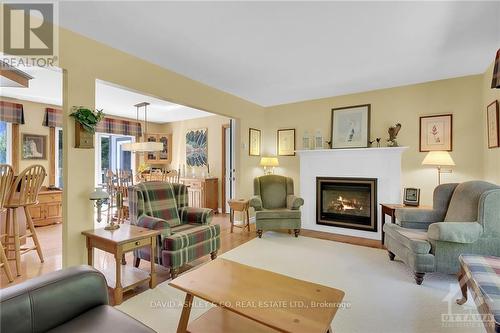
137,243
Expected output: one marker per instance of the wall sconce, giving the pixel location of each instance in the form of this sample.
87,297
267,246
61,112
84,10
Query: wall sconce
269,163
439,159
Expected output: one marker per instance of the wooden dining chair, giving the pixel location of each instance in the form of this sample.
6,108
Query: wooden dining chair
24,193
6,178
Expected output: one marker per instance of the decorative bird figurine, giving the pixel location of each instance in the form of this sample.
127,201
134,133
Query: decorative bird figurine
393,133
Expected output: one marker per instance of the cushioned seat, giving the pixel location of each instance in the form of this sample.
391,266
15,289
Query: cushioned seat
276,207
465,218
102,318
278,214
189,234
186,232
415,240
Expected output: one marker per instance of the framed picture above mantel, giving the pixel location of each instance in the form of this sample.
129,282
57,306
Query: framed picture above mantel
493,125
351,126
436,133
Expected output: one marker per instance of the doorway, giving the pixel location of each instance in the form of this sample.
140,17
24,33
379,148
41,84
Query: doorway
228,167
111,156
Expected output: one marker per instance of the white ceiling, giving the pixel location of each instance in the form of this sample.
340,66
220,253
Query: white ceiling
46,87
279,52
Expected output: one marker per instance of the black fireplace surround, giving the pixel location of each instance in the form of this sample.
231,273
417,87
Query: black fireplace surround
347,202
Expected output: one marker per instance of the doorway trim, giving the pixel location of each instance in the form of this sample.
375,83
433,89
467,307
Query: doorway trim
223,163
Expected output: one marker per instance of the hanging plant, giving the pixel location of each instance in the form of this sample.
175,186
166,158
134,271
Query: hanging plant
87,118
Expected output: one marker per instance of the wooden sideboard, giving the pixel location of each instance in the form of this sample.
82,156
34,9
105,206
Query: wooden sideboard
49,208
203,192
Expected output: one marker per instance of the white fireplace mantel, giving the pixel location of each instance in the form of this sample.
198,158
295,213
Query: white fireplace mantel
381,163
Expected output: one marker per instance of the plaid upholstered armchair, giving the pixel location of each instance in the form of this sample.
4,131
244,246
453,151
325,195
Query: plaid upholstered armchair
186,232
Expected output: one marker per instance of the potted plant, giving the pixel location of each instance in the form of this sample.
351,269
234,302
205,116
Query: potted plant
86,121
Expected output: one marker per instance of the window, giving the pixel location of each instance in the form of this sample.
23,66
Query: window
111,156
5,142
59,157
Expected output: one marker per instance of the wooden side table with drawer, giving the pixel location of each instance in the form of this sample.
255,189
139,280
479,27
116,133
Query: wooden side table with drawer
117,242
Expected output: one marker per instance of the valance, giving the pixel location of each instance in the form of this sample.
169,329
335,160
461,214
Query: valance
119,126
53,118
11,112
495,81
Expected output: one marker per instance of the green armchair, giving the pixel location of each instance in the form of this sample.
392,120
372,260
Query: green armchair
465,219
276,207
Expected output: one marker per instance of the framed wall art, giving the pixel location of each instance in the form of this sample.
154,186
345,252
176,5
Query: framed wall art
34,147
197,147
286,142
254,142
436,133
351,126
493,125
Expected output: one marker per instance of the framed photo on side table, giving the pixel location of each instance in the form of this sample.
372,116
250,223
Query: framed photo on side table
493,125
253,142
436,133
286,142
351,126
411,196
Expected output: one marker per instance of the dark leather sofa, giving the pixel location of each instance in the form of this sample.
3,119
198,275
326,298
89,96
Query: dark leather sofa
70,300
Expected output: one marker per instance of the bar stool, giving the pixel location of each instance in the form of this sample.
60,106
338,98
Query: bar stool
6,177
24,193
240,205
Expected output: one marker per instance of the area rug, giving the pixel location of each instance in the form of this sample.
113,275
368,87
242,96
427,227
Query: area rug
381,296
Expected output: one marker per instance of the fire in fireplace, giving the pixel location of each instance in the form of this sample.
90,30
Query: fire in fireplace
347,202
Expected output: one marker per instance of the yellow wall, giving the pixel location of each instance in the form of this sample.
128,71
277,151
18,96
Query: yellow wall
34,114
491,157
213,124
84,61
460,96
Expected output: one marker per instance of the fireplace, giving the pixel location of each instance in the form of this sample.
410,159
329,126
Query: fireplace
347,202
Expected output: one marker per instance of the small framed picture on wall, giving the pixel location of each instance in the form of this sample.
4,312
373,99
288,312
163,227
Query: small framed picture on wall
34,147
436,133
254,142
286,142
493,125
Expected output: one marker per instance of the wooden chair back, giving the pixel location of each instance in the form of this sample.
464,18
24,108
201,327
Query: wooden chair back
25,189
172,176
6,178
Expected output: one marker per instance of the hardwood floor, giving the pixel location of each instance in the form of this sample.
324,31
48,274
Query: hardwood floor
51,241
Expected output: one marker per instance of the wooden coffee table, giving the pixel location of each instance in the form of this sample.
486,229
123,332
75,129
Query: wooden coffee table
125,239
254,300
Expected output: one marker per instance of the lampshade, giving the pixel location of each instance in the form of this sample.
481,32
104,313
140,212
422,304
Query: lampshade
142,147
99,194
495,81
438,158
269,162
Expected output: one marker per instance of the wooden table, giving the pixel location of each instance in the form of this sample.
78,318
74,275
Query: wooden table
240,205
390,210
254,300
125,239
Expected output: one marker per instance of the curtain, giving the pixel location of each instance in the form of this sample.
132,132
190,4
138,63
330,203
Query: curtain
119,126
53,118
11,112
495,81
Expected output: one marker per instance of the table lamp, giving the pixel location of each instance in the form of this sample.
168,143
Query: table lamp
439,159
269,163
99,197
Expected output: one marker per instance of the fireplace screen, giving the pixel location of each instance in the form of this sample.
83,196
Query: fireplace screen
347,202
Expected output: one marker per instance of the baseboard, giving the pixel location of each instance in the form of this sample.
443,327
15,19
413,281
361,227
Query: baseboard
342,238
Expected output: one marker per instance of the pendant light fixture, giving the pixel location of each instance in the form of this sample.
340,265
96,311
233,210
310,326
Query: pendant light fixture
143,147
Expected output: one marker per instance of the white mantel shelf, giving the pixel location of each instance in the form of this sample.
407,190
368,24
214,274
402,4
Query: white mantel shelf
383,163
359,150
